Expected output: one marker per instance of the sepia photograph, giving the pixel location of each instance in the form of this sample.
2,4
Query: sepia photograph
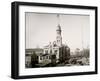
56,40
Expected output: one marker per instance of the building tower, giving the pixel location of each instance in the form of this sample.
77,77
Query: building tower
59,37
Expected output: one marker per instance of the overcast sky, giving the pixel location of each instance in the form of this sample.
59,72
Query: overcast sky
41,29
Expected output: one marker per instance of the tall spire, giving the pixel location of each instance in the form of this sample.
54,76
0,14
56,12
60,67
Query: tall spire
58,23
59,37
58,19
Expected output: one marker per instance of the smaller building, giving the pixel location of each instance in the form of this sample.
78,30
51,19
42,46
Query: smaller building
36,57
32,55
45,58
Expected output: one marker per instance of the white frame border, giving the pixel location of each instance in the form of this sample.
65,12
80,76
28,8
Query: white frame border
54,70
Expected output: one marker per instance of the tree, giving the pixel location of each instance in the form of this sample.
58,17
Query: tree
86,53
64,54
34,59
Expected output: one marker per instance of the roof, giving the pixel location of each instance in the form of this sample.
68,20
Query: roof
39,54
38,51
52,45
34,49
46,46
45,54
65,45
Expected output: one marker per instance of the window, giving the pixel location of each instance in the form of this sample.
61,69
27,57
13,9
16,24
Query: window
37,57
57,40
46,51
50,51
43,57
55,51
46,57
40,57
49,57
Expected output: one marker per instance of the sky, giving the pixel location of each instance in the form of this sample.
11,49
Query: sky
41,29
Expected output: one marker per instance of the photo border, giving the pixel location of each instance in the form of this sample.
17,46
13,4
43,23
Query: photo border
15,39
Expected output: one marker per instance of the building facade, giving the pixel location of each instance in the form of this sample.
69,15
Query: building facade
57,49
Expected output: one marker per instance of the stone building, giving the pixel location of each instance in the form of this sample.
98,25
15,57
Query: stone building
57,50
